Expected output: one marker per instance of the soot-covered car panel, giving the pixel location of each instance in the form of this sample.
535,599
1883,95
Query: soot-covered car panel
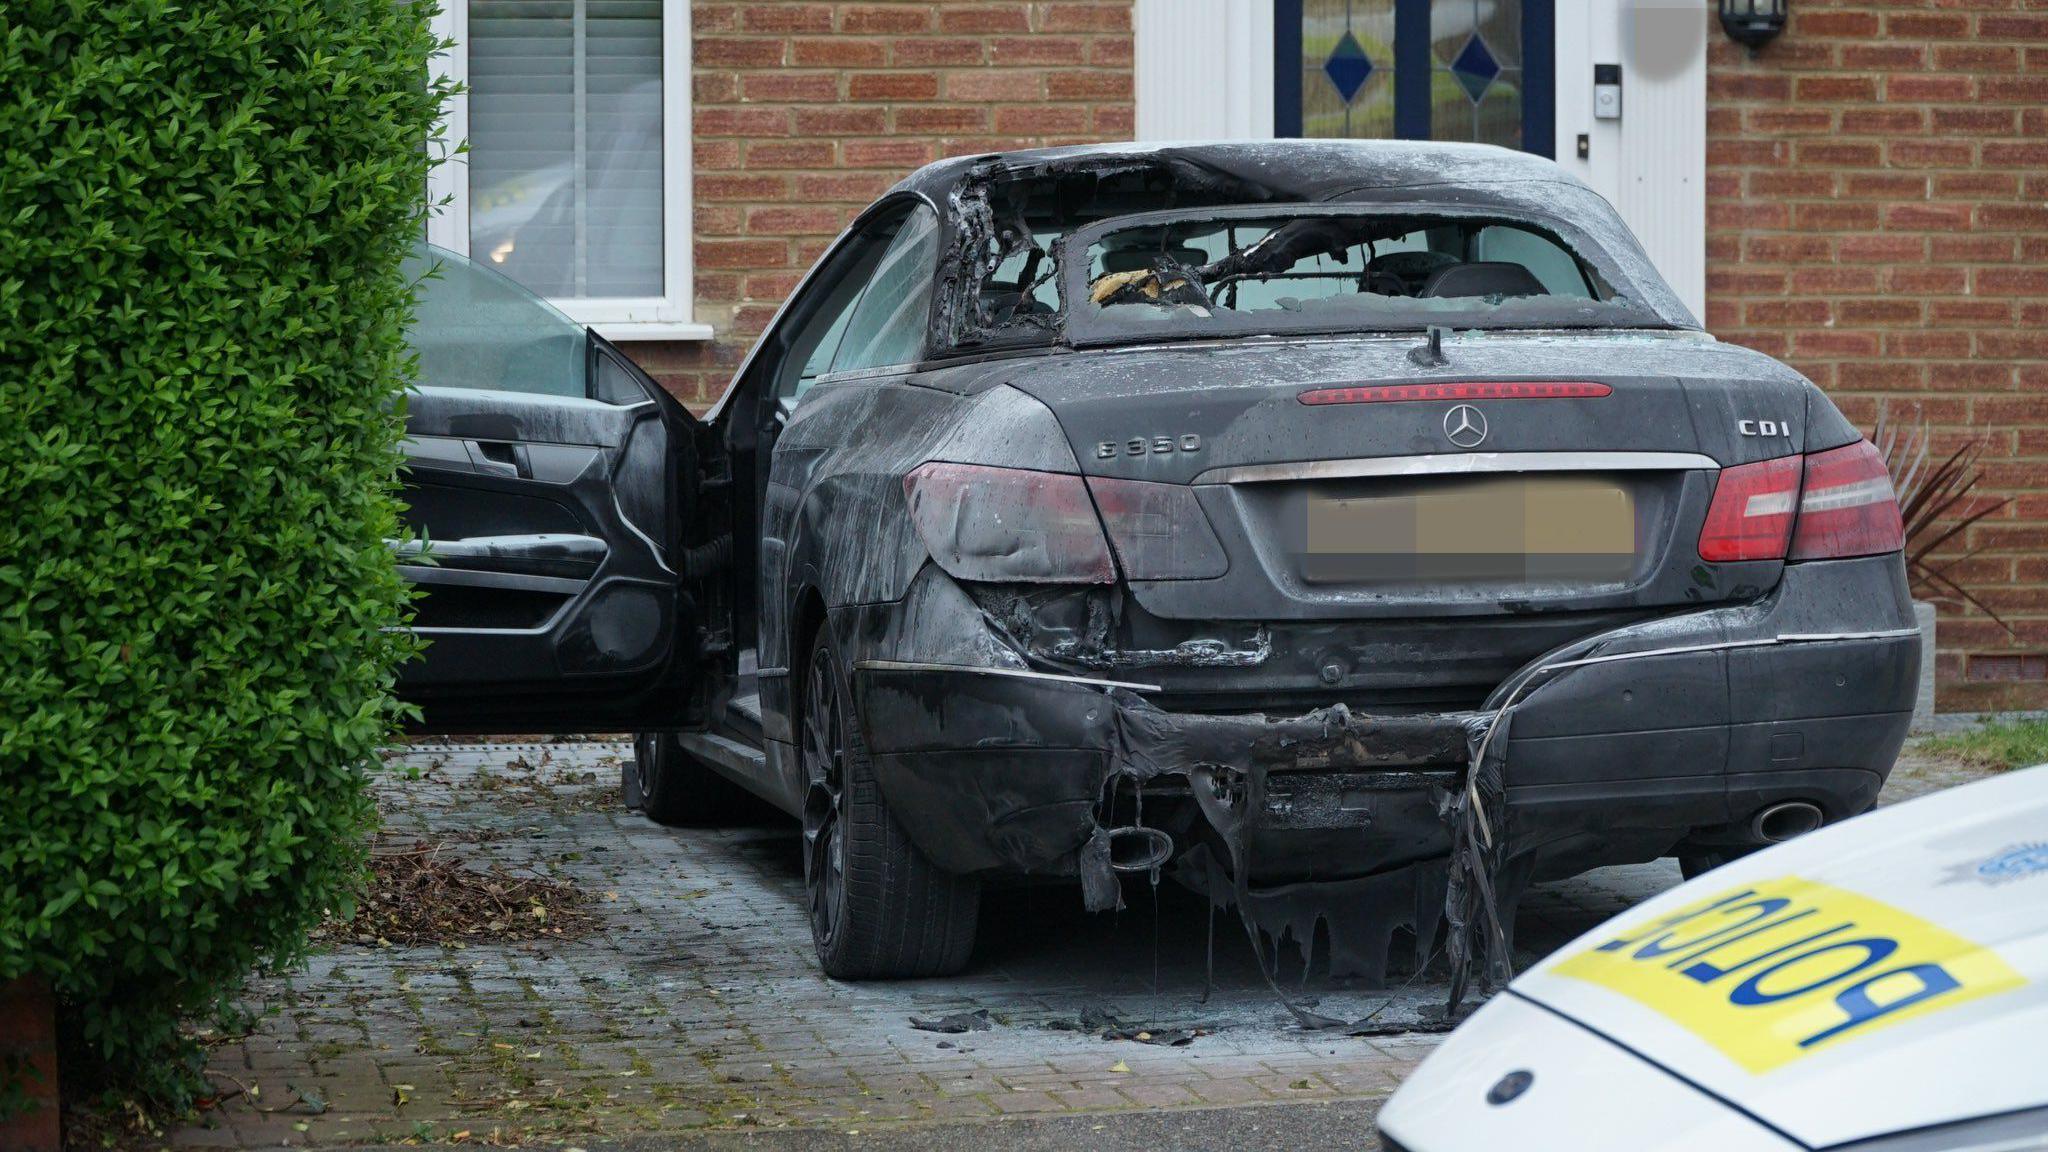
1352,531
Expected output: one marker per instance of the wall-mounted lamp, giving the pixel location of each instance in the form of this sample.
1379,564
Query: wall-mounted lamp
1753,22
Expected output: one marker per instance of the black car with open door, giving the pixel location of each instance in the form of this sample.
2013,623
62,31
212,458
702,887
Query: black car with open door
1353,531
548,481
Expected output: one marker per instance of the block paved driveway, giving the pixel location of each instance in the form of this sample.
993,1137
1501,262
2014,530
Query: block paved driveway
696,1005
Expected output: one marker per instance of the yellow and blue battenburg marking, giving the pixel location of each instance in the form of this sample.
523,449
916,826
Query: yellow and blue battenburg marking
1773,971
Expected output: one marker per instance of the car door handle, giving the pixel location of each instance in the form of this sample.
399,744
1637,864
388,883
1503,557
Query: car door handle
500,458
507,459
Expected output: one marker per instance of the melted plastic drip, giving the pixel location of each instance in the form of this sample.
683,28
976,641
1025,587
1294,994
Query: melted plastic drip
1209,972
1478,819
1155,932
1360,916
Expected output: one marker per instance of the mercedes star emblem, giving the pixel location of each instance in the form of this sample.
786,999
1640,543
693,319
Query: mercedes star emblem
1465,426
1510,1086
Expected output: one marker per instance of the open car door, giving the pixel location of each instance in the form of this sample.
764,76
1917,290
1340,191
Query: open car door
547,481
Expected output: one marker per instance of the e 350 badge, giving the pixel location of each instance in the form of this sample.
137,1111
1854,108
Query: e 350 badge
1773,971
1148,445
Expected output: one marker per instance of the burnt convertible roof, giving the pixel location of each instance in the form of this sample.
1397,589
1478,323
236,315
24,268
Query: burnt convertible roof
1284,170
995,206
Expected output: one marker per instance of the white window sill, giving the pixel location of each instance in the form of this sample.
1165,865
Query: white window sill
628,331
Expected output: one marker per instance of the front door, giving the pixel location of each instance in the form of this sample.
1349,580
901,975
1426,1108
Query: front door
1467,70
546,482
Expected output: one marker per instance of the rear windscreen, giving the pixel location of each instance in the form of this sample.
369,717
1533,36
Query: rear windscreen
1326,271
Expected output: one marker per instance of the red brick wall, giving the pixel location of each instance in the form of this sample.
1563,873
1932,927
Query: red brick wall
1877,207
1877,215
806,112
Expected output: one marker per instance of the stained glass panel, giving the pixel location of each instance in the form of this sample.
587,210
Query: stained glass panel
1475,82
1415,69
1347,65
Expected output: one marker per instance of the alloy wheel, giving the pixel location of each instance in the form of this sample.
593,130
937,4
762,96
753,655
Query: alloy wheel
824,751
643,763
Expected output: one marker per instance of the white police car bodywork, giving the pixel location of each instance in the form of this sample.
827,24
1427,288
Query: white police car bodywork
1882,984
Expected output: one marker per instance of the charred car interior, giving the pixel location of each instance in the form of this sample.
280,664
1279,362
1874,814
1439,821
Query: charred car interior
1353,532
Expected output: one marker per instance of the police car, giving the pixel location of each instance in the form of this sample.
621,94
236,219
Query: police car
1881,985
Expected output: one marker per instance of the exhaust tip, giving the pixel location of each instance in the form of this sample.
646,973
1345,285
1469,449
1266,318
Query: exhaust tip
1781,822
1135,849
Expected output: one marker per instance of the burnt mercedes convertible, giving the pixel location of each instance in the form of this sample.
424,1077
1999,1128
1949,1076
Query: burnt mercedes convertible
1354,532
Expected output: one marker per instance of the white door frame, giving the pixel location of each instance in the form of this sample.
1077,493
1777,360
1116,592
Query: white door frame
1204,69
1205,72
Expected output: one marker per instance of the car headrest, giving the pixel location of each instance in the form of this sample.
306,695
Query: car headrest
1484,278
1414,264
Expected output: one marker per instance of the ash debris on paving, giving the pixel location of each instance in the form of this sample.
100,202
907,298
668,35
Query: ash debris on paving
954,1024
1110,1026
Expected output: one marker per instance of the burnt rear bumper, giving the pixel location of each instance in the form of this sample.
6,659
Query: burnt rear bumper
1619,747
996,771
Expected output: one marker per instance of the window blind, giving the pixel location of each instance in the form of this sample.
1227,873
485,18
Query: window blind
565,163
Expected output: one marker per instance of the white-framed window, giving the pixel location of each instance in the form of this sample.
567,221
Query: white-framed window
576,181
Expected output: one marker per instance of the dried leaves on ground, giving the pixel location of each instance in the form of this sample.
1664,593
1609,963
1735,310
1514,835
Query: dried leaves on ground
429,893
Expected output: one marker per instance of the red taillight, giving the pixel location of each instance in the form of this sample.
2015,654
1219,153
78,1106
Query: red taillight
1830,505
1159,530
1008,524
1846,507
1751,516
1467,390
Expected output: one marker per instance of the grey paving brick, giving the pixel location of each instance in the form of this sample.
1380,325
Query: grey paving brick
696,1002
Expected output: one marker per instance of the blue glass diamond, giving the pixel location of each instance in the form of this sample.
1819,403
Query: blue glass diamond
1348,66
1475,68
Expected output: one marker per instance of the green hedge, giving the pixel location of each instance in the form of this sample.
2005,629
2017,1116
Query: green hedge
203,207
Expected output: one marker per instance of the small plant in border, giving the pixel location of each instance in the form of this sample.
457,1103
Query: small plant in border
1937,501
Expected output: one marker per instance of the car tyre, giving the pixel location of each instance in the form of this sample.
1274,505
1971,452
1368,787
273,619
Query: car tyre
879,909
676,789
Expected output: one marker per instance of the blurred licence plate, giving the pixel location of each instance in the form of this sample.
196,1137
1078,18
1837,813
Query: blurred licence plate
1536,528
